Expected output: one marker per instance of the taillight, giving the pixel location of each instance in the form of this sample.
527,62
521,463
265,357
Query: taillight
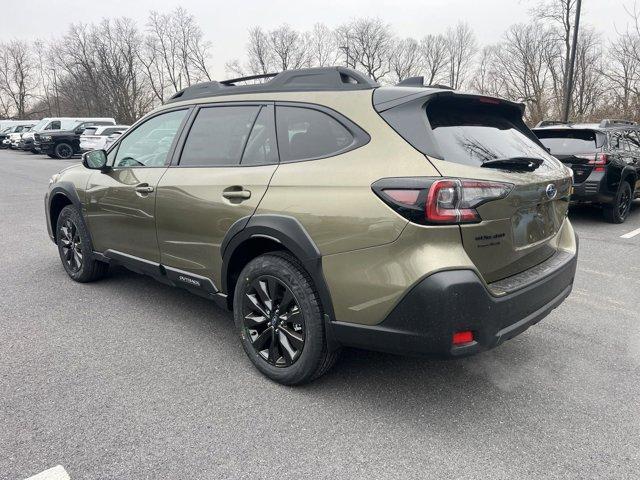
597,161
439,201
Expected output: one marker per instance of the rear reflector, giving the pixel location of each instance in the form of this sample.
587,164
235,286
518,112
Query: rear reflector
460,338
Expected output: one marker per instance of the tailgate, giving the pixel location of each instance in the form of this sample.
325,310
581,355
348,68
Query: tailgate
482,139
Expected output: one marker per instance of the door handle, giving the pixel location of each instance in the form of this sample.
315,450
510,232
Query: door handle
237,194
144,189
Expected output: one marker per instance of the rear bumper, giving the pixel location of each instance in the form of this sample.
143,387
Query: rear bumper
423,323
592,190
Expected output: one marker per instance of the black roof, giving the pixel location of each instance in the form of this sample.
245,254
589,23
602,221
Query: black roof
303,80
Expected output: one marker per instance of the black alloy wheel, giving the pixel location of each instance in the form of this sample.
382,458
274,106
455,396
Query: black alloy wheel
273,321
624,203
71,245
63,151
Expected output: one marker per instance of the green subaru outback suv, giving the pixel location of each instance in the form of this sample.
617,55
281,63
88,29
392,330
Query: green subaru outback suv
328,211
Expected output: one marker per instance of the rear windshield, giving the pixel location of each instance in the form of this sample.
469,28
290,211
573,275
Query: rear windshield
563,142
472,134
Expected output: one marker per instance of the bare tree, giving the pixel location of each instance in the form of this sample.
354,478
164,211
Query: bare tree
434,54
175,53
18,77
323,48
520,68
367,44
259,52
485,80
289,48
588,86
560,15
405,59
461,48
623,73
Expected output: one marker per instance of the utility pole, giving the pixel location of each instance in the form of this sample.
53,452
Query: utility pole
569,85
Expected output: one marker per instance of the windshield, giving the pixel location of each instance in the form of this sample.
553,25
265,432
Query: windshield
40,125
472,134
568,142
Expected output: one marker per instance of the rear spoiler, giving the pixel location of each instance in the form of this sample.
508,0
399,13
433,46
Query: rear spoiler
391,97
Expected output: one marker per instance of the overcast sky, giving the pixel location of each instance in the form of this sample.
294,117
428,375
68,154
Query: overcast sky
225,23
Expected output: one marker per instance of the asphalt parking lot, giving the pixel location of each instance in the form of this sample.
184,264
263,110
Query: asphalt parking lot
127,378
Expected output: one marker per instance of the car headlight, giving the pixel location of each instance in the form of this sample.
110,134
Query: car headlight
54,178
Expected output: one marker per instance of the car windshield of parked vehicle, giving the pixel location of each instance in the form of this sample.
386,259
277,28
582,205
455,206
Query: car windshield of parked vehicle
149,144
472,134
40,125
568,142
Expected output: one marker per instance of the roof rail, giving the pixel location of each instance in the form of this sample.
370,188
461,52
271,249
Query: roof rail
233,81
550,123
306,79
608,122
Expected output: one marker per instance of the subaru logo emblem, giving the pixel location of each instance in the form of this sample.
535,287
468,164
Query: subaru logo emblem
551,191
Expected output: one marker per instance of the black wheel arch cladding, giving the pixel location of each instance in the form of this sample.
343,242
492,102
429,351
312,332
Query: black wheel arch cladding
291,235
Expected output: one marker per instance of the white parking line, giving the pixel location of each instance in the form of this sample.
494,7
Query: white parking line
56,473
631,234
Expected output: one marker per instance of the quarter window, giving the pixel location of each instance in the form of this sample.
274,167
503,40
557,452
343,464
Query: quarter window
305,133
149,144
218,136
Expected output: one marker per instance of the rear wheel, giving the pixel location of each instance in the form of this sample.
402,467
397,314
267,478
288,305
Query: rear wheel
278,316
63,151
619,210
75,248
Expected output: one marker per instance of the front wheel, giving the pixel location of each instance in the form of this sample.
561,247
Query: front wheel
278,315
75,248
619,210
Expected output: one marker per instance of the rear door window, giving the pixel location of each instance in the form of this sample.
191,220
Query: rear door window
217,136
568,142
261,148
471,134
306,133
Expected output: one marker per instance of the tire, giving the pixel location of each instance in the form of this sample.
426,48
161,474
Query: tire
300,329
63,151
33,151
618,211
74,248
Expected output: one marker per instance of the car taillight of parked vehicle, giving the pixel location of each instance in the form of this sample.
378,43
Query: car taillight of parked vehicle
439,201
598,161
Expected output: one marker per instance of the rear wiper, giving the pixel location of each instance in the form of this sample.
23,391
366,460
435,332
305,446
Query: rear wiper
528,164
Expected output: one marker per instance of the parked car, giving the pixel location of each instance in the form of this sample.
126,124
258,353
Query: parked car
111,139
12,123
14,138
65,142
605,159
404,219
4,137
95,138
9,134
26,142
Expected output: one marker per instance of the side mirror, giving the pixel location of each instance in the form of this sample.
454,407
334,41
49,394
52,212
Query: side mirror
95,160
